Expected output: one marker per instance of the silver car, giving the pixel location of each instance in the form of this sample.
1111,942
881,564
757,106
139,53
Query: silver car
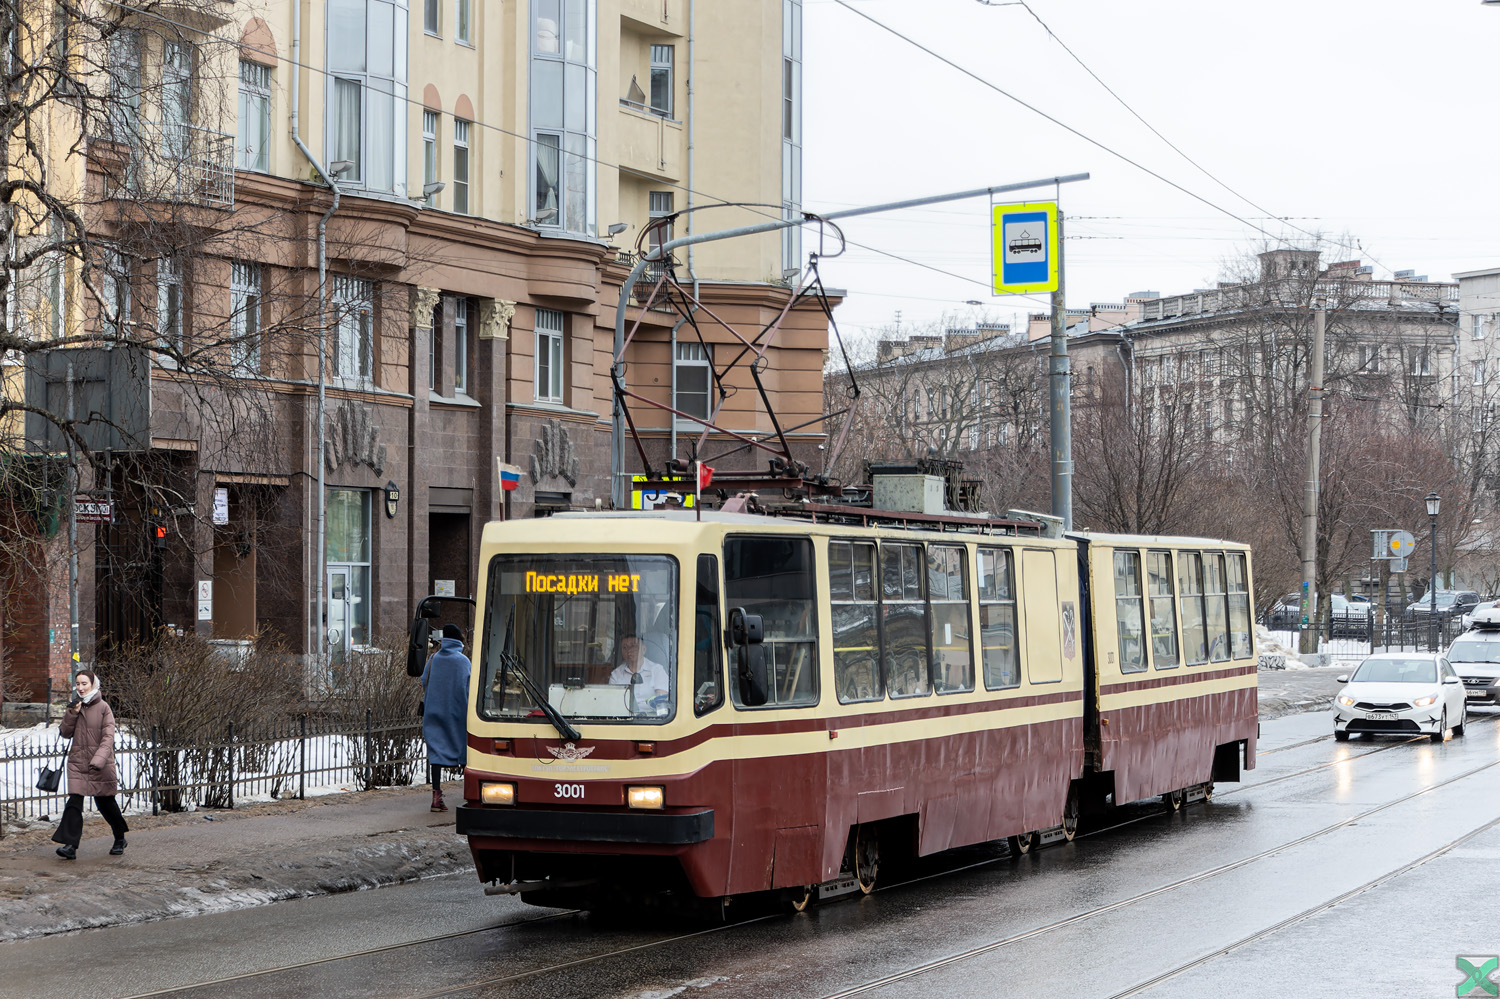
1475,656
1401,693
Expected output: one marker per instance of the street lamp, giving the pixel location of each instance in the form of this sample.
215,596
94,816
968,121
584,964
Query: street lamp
1434,503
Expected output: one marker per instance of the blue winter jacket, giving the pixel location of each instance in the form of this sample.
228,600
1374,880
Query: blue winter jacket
446,681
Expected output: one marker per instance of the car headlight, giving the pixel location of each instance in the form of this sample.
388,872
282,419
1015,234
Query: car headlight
497,793
1346,700
644,797
1422,702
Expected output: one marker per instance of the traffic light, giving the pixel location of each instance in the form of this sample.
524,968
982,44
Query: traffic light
159,531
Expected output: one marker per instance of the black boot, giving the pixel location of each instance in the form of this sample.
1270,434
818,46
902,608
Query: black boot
67,852
118,848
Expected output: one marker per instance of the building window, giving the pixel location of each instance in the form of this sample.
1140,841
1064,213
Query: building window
461,346
460,166
1421,360
169,306
367,63
563,113
114,287
176,99
549,356
462,30
692,380
1369,359
353,301
431,22
1478,372
347,552
430,154
661,80
253,145
244,316
1476,326
659,206
124,84
791,131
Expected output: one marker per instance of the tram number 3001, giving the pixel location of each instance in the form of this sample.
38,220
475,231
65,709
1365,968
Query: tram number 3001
567,791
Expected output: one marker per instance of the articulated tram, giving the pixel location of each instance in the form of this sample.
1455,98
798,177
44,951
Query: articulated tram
672,708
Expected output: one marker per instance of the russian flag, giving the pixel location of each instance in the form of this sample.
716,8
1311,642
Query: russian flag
510,475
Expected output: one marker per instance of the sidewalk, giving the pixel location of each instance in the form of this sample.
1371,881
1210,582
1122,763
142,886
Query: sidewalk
205,861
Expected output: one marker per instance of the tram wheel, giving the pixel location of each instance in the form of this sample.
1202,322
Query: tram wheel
1208,792
866,858
1071,811
1020,845
1173,800
798,899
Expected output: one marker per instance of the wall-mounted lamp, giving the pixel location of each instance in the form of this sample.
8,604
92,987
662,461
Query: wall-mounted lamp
618,228
428,190
340,167
392,497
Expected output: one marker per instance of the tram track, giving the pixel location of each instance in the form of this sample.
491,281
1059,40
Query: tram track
1118,904
946,871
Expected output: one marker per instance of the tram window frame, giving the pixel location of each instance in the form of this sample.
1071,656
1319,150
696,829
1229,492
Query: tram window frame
1129,599
1241,642
1190,597
955,598
999,596
845,595
708,656
897,600
1165,649
781,647
1216,606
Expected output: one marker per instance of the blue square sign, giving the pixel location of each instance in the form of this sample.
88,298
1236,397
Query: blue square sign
1025,248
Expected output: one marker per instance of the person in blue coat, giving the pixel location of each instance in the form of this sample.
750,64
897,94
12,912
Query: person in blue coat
445,708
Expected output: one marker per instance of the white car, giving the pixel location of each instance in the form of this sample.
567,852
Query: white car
1401,693
1472,616
1475,656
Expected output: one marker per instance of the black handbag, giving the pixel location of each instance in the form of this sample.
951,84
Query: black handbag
49,779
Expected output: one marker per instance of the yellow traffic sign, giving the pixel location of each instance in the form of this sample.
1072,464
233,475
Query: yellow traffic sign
1025,251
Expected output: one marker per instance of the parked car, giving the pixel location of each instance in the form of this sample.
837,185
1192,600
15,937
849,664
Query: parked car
1450,603
1475,656
1285,613
1348,616
1486,604
1401,693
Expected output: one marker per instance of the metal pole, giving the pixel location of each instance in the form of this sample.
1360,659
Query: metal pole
618,491
73,664
1062,418
1432,620
1308,641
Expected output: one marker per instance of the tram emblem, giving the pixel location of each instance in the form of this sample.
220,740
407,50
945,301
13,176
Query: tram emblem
568,752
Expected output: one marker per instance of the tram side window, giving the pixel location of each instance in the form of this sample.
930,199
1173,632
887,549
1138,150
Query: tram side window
856,621
997,619
1190,596
1163,610
1239,607
948,592
907,655
1216,610
1128,616
773,577
708,673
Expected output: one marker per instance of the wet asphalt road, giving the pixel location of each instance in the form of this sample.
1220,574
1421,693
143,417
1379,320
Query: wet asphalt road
1361,868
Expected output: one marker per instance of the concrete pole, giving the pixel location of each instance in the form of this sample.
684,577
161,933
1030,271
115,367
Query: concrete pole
74,665
1309,637
1061,384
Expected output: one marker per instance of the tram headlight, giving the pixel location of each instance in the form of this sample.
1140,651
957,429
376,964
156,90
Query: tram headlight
1346,700
1423,702
497,793
644,797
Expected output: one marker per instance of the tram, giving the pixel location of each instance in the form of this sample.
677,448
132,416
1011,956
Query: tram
666,707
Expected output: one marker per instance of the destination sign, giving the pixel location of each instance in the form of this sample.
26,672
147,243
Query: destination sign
583,582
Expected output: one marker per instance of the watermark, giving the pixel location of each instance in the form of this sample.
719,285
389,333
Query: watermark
1477,971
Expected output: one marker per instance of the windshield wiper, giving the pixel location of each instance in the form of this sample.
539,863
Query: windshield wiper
508,657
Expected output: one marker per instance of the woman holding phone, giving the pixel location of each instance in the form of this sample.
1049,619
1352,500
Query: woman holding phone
90,723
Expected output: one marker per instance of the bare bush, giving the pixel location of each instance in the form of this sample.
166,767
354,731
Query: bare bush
372,689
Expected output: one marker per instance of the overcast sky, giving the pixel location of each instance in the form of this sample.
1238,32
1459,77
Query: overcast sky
1360,120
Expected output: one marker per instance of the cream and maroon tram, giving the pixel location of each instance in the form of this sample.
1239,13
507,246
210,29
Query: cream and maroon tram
669,707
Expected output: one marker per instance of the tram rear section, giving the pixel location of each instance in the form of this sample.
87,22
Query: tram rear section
748,705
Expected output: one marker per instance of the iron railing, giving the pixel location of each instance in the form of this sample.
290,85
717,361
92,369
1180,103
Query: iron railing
167,161
281,759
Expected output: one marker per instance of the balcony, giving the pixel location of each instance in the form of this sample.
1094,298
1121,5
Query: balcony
167,162
650,145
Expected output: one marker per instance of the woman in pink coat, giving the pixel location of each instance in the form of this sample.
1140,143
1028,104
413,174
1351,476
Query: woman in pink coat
90,723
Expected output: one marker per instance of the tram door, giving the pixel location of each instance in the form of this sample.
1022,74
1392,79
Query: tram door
1044,652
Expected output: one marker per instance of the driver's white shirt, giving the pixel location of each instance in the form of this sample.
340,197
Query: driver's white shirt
653,677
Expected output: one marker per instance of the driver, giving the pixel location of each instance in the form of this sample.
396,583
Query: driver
637,671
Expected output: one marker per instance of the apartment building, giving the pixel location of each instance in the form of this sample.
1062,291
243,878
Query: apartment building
439,198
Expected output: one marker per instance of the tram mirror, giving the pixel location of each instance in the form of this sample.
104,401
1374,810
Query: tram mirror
416,646
746,634
745,629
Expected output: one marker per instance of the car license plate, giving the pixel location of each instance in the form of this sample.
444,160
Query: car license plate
1382,716
1478,692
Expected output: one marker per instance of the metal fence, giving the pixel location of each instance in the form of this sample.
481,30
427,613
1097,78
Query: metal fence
281,760
1392,634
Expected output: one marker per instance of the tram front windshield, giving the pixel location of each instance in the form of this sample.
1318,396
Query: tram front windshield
596,635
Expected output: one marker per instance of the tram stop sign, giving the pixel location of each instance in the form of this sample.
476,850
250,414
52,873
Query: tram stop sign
1392,545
